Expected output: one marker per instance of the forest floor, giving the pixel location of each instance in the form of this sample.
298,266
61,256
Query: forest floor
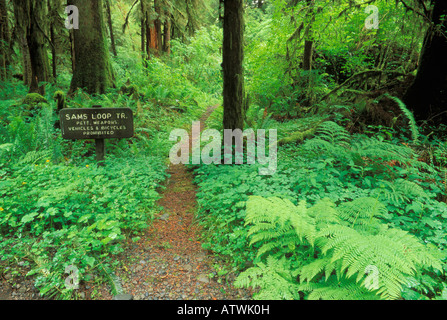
166,263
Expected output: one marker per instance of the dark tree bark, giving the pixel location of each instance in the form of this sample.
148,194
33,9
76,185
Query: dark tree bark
26,60
307,56
233,73
427,96
53,16
5,40
308,36
30,22
93,71
144,55
110,24
157,29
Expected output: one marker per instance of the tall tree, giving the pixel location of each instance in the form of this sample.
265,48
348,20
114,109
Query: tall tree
53,14
167,35
427,96
150,30
233,56
93,71
30,21
110,24
308,36
4,40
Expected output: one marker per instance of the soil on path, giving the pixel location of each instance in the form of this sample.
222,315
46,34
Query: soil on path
168,261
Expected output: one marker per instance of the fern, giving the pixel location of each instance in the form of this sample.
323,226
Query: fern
278,223
394,252
334,134
361,212
376,148
345,241
334,141
273,279
33,157
399,191
331,138
337,289
413,127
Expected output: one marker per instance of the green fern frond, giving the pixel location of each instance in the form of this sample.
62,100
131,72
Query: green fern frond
34,156
361,211
337,289
278,220
273,280
399,190
334,133
413,126
376,148
316,267
394,252
337,249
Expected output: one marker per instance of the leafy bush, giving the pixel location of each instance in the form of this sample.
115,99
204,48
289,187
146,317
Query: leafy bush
340,186
57,215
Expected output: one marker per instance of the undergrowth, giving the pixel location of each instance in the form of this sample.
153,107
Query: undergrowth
339,206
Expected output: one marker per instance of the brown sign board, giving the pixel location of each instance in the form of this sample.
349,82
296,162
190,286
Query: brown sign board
96,123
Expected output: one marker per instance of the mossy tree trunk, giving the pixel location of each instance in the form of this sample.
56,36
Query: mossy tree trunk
30,21
233,57
308,37
167,35
427,96
5,39
93,71
110,25
151,29
53,15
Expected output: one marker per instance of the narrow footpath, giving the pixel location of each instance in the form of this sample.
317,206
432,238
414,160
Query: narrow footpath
168,262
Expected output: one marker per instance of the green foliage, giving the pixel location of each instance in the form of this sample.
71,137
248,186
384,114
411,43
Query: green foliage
361,195
74,215
346,244
413,127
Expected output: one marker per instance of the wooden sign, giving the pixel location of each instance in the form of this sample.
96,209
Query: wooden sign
96,123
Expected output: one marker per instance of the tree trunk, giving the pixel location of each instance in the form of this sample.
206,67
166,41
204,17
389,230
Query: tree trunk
308,36
233,74
157,29
4,41
30,21
110,24
307,57
167,36
143,33
26,61
53,40
93,71
427,96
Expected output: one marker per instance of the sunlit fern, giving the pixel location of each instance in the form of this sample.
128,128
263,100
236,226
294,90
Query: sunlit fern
347,240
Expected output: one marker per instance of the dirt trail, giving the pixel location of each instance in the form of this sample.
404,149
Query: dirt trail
168,261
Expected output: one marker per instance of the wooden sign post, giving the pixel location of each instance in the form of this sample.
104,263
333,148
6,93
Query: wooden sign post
100,148
97,123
